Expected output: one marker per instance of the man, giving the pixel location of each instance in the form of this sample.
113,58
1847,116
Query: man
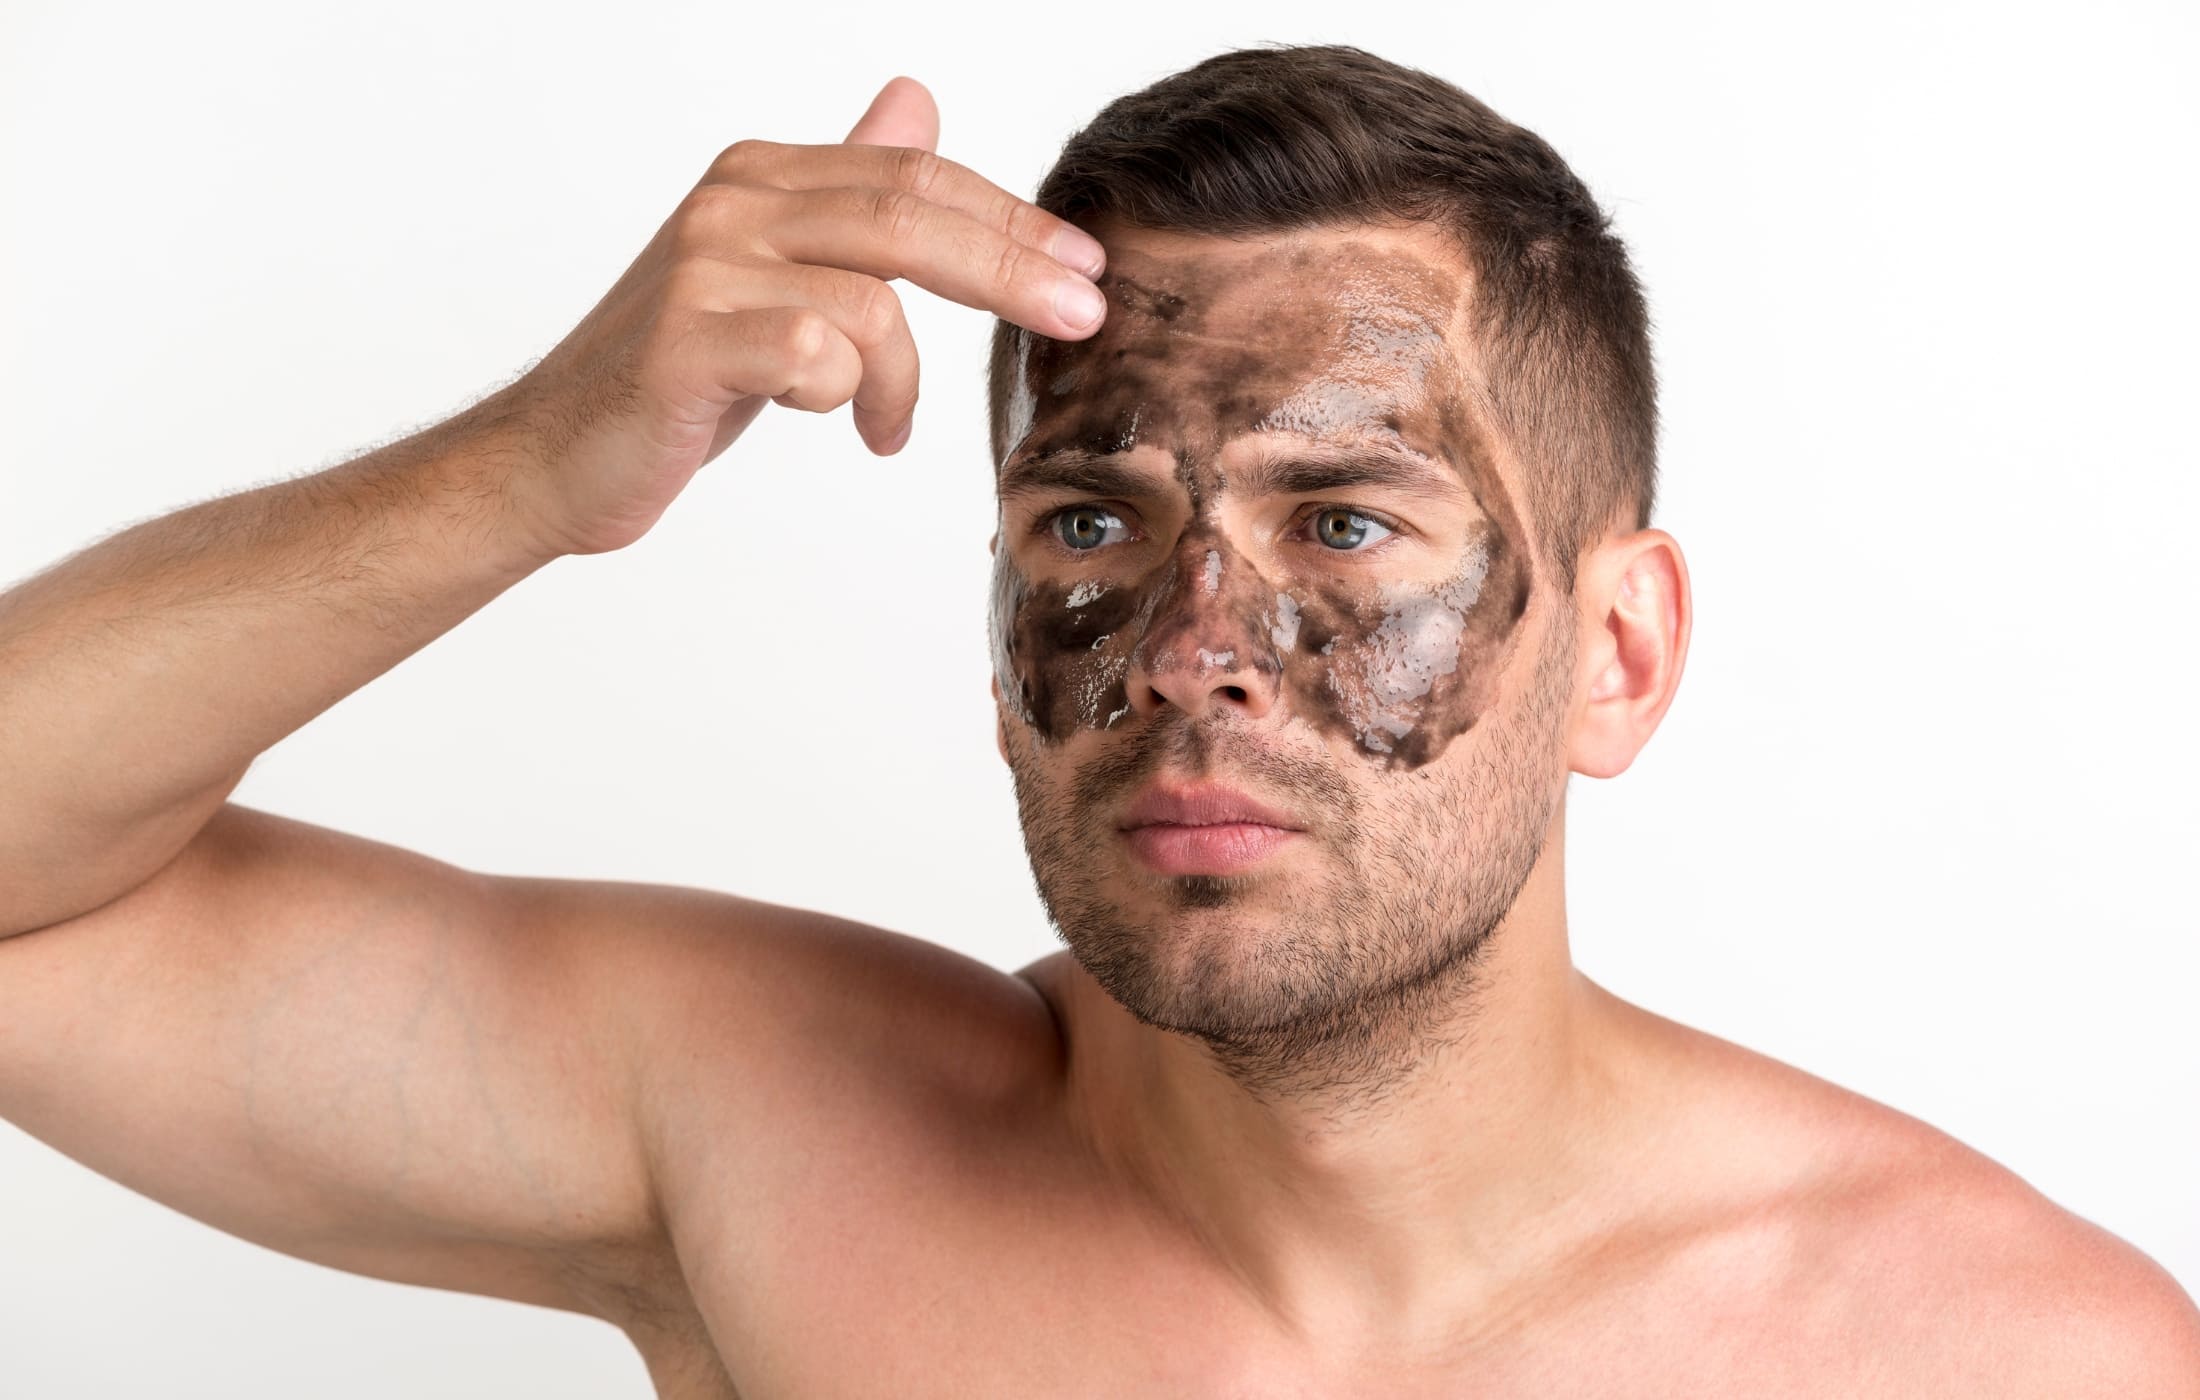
1323,559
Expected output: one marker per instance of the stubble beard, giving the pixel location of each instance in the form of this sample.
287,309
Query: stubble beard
1332,984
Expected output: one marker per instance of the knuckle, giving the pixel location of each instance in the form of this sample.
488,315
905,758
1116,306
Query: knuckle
1012,266
745,154
690,237
703,219
875,309
896,214
917,170
1026,223
805,335
712,199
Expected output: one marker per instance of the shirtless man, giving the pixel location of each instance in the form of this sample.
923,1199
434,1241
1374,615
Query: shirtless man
1290,676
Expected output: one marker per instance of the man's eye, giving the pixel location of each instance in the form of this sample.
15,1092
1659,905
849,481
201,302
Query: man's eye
1346,529
1087,527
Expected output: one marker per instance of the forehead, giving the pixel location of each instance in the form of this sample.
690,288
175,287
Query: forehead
1347,333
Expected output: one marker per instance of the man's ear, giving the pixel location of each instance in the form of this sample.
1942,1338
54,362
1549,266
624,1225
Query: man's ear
1634,614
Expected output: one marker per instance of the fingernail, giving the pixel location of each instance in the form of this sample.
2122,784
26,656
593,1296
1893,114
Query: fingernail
901,435
1078,302
1075,248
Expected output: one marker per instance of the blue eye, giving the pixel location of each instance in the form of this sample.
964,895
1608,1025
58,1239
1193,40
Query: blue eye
1086,527
1346,529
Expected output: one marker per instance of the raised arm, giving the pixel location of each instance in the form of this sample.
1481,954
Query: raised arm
340,1049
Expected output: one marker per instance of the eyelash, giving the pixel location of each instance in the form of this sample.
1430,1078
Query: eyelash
1044,527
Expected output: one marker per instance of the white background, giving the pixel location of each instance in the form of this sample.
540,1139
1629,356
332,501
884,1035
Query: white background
1921,821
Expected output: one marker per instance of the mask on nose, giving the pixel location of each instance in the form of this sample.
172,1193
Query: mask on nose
1213,622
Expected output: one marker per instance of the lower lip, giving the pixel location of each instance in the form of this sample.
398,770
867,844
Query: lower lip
1206,850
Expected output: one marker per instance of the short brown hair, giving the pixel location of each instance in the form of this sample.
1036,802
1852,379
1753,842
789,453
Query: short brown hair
1277,137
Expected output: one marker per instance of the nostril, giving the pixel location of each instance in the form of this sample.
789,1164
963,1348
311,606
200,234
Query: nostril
1235,692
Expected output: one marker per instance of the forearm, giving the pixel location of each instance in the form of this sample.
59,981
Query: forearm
140,678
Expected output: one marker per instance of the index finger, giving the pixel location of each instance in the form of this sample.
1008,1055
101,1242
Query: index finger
890,233
925,174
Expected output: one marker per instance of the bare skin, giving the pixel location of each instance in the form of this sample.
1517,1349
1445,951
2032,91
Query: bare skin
792,1155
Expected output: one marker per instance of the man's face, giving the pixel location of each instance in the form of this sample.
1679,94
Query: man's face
1255,534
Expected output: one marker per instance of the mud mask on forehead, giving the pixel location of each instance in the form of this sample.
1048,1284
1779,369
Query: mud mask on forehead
1327,347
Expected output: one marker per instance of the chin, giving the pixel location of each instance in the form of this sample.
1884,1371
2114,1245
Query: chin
1208,891
1199,960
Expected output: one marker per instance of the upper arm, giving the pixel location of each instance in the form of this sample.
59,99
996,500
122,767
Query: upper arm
349,1053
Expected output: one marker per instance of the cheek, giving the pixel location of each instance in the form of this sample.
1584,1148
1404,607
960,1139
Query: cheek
1061,652
1399,671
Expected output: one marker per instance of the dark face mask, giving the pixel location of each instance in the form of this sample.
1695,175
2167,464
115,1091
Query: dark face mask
1266,475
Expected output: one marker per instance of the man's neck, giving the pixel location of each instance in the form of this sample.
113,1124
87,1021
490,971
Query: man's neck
1372,1212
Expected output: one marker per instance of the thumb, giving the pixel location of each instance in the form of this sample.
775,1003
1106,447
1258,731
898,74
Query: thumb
903,114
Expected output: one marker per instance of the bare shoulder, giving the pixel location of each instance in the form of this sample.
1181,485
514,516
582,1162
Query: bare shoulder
1990,1287
1961,1276
1997,1290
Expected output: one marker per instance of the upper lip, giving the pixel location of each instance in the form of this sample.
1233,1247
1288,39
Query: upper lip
1200,804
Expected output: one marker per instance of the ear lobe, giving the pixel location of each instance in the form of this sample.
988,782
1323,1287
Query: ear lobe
1636,615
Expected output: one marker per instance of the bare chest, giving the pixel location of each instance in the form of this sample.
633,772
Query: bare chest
1017,1297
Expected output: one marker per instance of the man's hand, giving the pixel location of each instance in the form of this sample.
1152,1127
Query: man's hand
771,282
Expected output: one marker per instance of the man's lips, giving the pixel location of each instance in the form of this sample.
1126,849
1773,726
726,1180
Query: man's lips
1201,804
1205,829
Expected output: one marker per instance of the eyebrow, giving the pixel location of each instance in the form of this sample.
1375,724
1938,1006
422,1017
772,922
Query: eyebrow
1274,471
1077,469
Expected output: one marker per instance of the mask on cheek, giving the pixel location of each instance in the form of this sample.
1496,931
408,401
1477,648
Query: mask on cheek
1061,651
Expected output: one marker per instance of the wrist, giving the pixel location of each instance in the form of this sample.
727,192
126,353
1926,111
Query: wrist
478,478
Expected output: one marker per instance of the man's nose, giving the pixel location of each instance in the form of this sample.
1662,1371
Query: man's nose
1207,644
